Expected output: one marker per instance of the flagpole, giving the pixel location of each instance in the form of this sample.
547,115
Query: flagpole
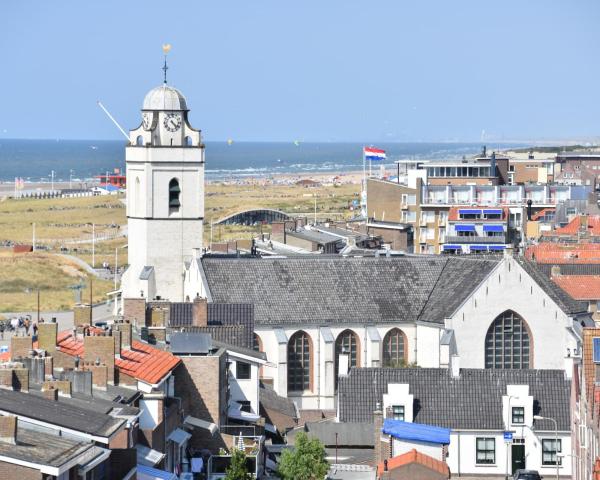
363,196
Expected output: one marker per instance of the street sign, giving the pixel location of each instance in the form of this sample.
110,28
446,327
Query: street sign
508,436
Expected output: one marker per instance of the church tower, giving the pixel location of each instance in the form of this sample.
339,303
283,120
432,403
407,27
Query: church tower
165,197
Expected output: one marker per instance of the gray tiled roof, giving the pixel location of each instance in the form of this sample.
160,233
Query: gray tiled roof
351,434
328,290
570,268
59,412
270,400
238,317
568,304
472,401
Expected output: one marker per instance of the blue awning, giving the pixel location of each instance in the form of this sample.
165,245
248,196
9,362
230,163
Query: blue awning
497,247
493,212
452,247
416,431
493,228
464,228
479,247
469,211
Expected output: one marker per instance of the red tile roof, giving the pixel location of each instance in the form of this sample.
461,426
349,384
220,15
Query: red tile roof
580,287
574,226
564,253
415,457
141,362
542,213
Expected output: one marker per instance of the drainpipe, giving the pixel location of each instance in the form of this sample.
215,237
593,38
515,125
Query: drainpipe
364,362
319,368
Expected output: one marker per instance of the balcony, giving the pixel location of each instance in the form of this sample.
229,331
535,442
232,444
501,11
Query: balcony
475,240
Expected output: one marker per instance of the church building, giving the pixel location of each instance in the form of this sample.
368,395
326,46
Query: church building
318,316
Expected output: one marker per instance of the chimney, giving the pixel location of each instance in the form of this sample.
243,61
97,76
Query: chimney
455,366
101,348
555,271
385,465
584,223
47,337
20,347
378,425
200,312
50,393
125,333
529,209
8,429
493,165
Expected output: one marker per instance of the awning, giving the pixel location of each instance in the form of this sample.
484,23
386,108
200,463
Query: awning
196,422
464,228
479,248
148,473
179,436
416,431
237,414
493,228
469,211
492,212
497,247
147,456
452,247
270,428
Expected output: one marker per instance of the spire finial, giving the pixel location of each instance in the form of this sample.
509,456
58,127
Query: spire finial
166,49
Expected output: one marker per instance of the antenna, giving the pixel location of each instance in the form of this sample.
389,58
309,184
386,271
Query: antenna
166,49
113,120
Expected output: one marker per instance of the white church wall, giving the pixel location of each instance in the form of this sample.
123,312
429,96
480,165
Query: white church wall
509,287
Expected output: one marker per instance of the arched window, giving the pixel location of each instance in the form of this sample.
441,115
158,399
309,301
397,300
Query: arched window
139,141
188,141
174,194
394,349
347,343
508,343
299,362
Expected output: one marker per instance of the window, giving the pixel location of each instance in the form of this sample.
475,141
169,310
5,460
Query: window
174,194
398,412
518,415
507,343
347,343
549,451
242,370
486,451
299,362
394,349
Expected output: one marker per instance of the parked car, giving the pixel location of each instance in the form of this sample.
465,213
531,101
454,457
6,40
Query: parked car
527,475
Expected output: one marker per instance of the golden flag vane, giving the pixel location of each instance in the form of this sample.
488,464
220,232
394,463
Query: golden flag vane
166,49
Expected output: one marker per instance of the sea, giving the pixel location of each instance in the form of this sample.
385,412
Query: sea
35,160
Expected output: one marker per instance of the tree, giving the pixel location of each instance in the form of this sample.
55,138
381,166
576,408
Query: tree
305,462
237,469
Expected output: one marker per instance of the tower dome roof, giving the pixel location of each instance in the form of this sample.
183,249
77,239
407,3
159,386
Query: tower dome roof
164,97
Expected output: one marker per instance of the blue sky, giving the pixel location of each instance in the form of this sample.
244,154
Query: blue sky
311,70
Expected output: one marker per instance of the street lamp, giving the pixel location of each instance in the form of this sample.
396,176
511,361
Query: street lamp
539,417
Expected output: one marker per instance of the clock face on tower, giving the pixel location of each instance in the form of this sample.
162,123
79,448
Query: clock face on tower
172,122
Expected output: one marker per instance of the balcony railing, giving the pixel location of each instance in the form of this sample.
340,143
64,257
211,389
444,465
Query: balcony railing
496,240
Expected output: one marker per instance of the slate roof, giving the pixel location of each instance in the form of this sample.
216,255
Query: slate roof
270,400
472,401
238,317
43,449
568,304
330,289
352,434
57,412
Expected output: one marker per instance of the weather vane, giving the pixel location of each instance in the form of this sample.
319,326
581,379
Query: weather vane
166,49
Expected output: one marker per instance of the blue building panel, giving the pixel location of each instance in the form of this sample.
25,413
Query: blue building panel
416,431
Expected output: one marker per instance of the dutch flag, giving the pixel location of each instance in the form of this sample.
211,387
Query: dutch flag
373,154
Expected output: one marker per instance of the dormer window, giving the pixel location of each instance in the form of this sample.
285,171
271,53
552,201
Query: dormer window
398,412
174,195
518,415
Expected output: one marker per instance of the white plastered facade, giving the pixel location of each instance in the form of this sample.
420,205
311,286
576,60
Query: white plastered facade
165,150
